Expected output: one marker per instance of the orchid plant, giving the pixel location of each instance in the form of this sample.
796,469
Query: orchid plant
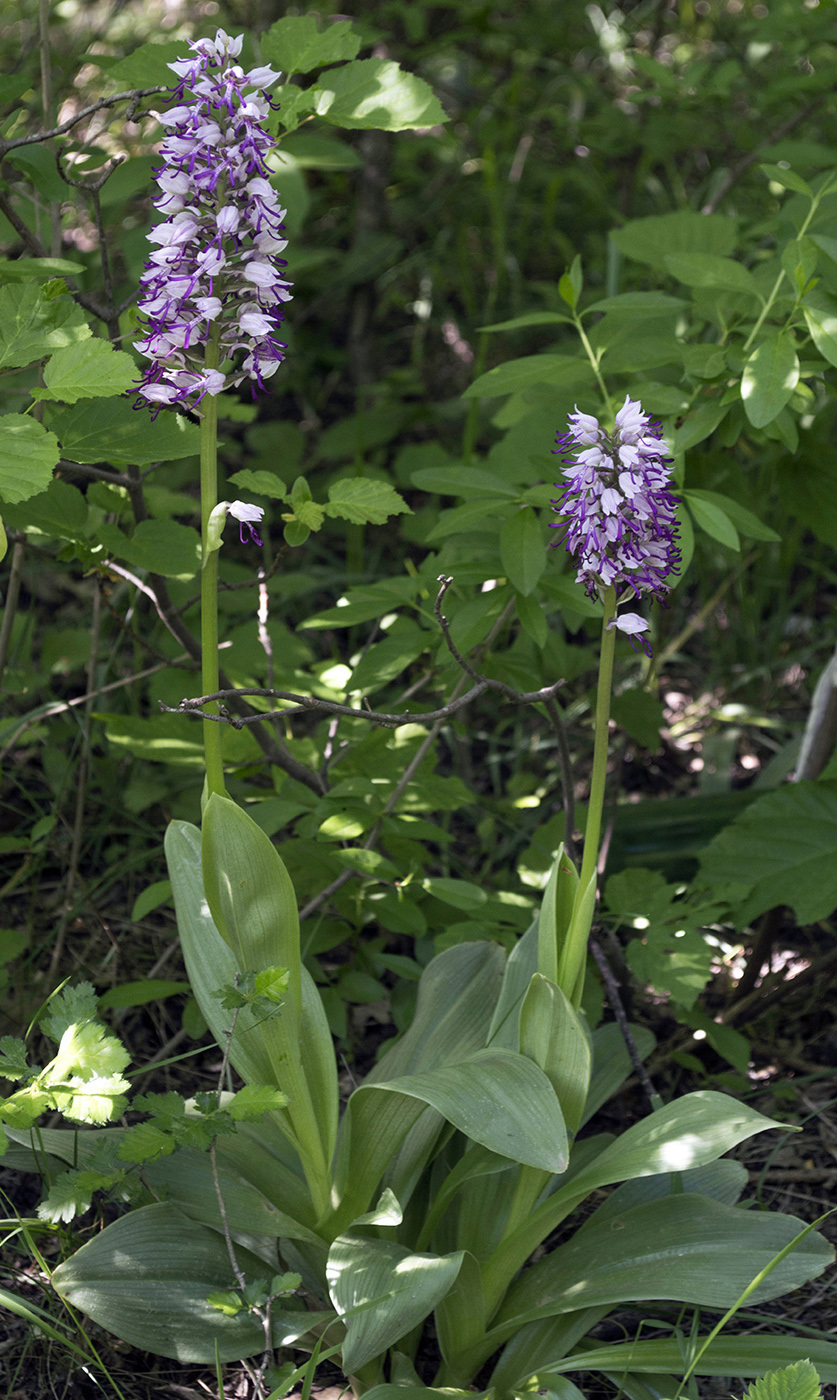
459,1156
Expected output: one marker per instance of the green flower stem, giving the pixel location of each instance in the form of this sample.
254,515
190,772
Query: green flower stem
597,786
573,955
209,579
594,362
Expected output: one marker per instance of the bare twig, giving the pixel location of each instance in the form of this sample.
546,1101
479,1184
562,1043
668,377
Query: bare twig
615,999
132,98
800,115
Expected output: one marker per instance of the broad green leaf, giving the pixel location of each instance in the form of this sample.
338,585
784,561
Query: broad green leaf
388,659
532,619
788,179
704,361
770,376
743,519
253,904
684,1247
460,1314
28,457
455,999
260,483
496,1098
376,94
364,500
60,512
530,369
523,550
33,325
146,1279
750,1354
652,240
147,66
713,520
820,309
552,1035
556,913
118,433
406,1287
261,1196
91,370
708,270
781,850
161,546
689,1132
700,425
538,1344
295,45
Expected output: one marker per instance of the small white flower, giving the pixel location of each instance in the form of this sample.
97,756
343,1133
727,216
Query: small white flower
632,624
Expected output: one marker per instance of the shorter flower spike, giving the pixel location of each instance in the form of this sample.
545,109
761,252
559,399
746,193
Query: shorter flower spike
618,511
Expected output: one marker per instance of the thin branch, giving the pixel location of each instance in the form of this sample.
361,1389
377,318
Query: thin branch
800,115
132,97
613,996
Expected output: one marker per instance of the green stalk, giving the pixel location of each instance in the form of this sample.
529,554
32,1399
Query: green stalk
597,785
573,954
209,578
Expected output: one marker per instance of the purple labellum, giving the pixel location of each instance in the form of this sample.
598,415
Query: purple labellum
215,267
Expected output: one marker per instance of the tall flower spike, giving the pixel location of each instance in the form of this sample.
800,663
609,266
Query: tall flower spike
618,511
216,262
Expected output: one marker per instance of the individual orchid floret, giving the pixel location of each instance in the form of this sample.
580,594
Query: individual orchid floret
215,274
247,516
619,514
632,624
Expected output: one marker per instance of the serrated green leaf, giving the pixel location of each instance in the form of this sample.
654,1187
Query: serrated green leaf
770,376
147,66
364,500
781,850
88,371
295,45
376,94
28,457
33,324
797,1382
254,1101
118,433
260,483
60,512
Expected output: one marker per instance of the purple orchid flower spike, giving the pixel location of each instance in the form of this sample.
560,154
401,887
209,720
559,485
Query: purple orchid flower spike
618,511
215,274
